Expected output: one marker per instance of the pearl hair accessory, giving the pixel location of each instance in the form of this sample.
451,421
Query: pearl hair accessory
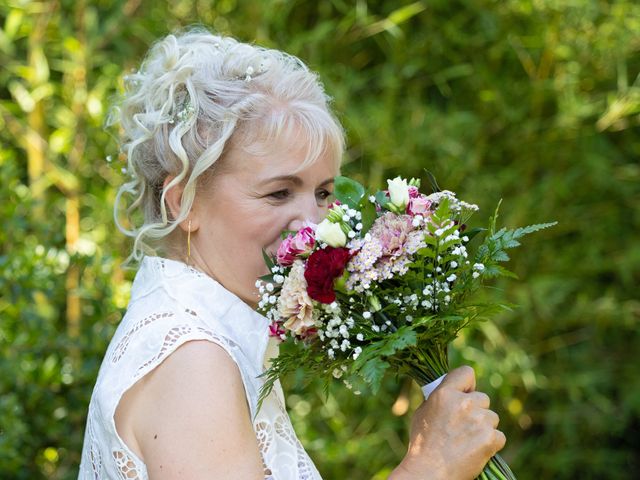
184,114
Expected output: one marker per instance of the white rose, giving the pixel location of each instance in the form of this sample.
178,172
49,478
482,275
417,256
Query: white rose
399,192
331,234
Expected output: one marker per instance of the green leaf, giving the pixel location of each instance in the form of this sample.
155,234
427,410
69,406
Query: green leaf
500,256
427,252
472,232
348,191
442,212
491,271
404,13
369,214
373,371
382,199
268,260
522,231
430,240
399,340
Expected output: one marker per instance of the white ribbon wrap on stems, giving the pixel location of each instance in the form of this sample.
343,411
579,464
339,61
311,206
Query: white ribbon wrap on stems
430,387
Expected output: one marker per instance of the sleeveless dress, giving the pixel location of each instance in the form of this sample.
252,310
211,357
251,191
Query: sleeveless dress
171,304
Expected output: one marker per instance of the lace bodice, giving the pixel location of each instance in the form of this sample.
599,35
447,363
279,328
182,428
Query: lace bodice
171,304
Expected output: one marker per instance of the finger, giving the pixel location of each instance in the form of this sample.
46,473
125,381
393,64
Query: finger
492,418
485,420
462,379
499,441
479,399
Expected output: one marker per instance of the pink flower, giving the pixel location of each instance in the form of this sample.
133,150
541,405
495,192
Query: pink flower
413,192
276,329
418,205
388,251
295,246
294,304
392,231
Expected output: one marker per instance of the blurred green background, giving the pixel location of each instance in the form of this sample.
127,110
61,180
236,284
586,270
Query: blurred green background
533,101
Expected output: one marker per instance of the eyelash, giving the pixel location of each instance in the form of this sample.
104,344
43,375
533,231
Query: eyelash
282,195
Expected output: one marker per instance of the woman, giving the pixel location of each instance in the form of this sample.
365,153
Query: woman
228,144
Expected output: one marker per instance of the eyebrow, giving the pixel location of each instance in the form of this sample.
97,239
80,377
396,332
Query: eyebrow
293,179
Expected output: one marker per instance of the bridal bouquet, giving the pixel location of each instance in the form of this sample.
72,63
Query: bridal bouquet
384,282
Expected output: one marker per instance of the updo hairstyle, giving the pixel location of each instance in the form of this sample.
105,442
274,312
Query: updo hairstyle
195,96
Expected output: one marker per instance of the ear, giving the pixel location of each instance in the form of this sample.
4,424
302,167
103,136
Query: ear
173,199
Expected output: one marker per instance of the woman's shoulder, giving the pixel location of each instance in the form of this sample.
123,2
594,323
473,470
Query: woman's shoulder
171,305
198,369
148,334
188,391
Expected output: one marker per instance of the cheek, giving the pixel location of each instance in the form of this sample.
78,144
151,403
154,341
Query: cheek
268,234
261,230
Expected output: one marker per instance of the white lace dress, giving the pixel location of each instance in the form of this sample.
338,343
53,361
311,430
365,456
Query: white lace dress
171,304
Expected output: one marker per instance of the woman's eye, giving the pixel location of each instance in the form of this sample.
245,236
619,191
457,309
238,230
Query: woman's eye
324,194
280,194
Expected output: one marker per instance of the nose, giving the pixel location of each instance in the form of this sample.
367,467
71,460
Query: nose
307,210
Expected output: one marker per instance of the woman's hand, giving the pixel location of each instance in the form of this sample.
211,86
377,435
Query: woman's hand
453,433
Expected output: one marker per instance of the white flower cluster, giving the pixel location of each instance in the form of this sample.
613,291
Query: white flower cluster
418,221
456,205
479,268
267,291
438,293
384,326
337,332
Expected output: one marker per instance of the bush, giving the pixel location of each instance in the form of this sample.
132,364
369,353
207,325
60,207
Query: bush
533,102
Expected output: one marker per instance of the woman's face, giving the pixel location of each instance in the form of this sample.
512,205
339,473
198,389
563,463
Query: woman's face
248,204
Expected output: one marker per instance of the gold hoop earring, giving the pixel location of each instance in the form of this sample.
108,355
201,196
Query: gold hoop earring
189,243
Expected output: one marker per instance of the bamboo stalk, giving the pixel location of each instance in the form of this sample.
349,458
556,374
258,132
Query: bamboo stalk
76,82
72,284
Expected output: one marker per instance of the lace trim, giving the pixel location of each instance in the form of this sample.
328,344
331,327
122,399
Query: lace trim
95,457
264,435
122,346
127,468
170,339
285,430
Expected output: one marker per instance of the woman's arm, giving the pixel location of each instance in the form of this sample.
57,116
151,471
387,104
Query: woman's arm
453,433
189,417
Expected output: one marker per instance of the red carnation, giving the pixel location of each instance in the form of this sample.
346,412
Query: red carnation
323,267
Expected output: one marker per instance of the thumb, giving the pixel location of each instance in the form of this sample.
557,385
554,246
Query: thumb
462,379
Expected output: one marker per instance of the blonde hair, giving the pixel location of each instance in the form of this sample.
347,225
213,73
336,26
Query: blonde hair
194,93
